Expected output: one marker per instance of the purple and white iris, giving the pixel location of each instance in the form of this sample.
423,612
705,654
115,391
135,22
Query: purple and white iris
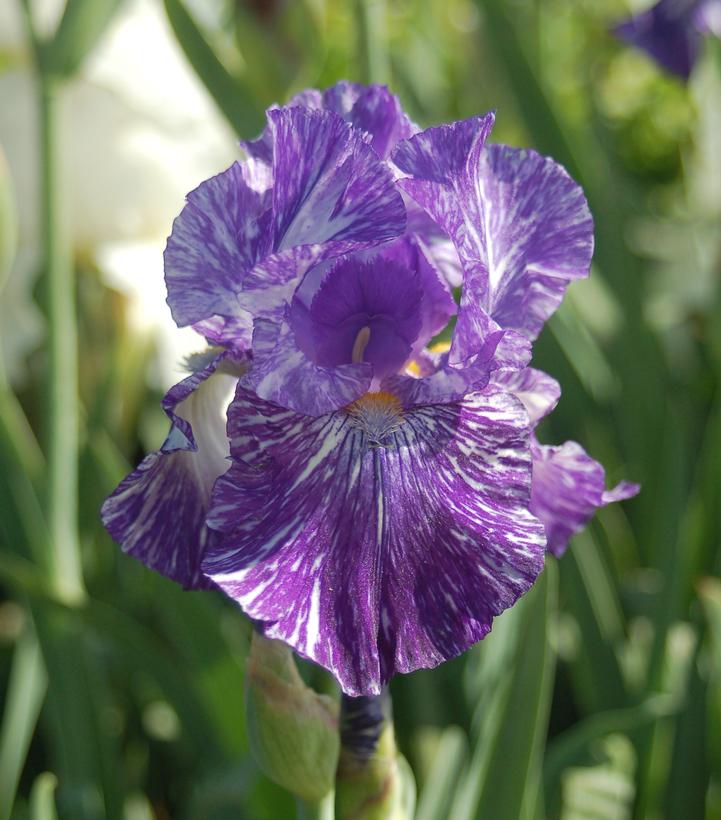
375,500
672,31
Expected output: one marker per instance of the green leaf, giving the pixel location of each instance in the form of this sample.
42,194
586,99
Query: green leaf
503,777
596,672
446,769
42,797
571,748
604,791
25,694
232,96
8,221
81,26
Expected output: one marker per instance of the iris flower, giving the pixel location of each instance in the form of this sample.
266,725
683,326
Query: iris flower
378,498
672,32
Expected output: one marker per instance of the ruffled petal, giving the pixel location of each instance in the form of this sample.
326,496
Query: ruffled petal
157,513
281,372
331,195
370,557
328,185
538,392
568,488
374,110
520,224
215,240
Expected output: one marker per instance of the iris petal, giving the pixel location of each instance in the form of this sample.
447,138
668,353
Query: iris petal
157,513
374,559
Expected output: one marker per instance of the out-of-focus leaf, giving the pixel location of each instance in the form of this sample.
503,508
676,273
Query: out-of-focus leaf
371,20
231,95
140,649
446,768
604,791
571,748
42,797
88,784
517,723
512,791
8,221
81,26
689,773
596,671
26,690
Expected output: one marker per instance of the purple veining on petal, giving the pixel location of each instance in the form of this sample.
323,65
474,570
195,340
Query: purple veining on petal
283,373
568,488
328,184
157,513
538,392
331,195
374,110
670,32
520,224
447,382
437,303
216,239
331,554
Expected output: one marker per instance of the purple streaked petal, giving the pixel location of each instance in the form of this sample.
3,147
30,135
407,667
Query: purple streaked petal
437,303
372,560
331,195
449,382
440,154
215,240
282,372
157,513
520,224
568,488
373,110
474,327
328,184
538,392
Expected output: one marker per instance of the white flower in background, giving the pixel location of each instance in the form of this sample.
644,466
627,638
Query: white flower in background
139,131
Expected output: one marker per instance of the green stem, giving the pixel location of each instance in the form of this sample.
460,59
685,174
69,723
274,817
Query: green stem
322,810
62,442
371,32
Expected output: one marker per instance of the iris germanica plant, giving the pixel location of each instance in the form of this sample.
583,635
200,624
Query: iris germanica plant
672,32
367,495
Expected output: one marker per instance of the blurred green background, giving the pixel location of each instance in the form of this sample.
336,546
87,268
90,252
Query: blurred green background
599,695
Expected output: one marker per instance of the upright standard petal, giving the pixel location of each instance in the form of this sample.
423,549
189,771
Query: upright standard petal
520,224
216,239
568,488
157,513
374,110
377,539
331,195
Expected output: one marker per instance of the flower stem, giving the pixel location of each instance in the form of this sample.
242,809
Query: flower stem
62,433
322,810
371,37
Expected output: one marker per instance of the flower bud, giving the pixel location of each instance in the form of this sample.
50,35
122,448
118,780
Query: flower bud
293,731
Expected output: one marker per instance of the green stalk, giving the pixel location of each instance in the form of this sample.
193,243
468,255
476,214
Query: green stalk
62,441
371,36
322,810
